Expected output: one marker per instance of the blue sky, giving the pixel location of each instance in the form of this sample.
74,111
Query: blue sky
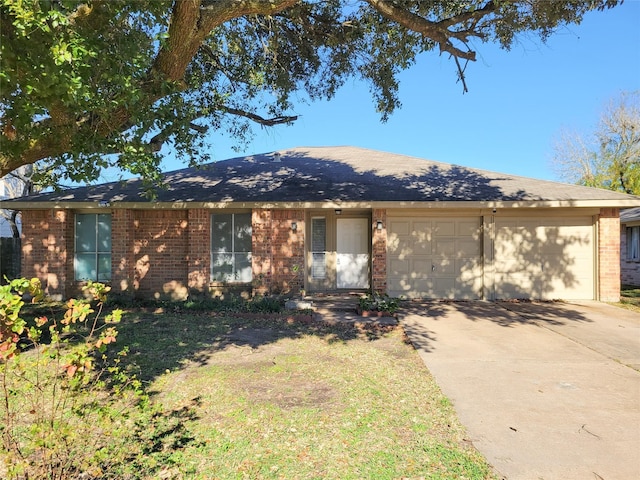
518,101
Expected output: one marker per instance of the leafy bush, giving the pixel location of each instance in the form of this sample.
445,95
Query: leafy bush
68,409
378,303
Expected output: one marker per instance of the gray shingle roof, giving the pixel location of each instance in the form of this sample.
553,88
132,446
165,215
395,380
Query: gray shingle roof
334,174
630,215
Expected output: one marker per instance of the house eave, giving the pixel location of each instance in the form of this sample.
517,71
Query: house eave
436,205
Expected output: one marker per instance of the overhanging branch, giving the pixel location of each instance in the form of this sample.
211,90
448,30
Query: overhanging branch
439,32
265,122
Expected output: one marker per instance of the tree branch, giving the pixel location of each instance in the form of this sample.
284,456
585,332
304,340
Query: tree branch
440,31
191,22
265,122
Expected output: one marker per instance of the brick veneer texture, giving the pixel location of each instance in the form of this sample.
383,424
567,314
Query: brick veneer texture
160,249
379,251
47,237
277,250
609,255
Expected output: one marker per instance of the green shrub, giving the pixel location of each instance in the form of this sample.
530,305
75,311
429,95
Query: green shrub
378,303
68,409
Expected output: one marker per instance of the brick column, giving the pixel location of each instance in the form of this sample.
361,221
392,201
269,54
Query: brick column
199,245
379,251
261,253
609,255
45,238
122,252
287,251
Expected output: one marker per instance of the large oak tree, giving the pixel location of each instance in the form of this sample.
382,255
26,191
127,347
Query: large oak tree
105,83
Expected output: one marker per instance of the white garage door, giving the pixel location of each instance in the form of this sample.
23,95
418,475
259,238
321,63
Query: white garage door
434,257
544,258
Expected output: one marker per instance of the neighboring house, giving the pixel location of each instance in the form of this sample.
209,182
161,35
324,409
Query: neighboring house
330,219
10,187
630,246
5,225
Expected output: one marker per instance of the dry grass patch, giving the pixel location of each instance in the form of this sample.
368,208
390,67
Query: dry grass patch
296,400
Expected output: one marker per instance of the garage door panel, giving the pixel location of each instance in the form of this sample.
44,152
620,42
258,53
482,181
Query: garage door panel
470,247
444,228
469,228
421,266
399,227
444,260
445,247
421,245
544,258
443,267
400,266
446,287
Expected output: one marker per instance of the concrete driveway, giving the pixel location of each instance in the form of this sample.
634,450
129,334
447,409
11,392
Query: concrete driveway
545,390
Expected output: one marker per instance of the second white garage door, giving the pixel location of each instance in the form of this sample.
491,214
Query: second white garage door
434,257
544,258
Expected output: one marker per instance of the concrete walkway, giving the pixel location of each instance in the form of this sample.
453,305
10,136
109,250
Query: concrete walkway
545,390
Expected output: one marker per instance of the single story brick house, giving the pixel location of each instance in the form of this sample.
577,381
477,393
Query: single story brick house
630,246
329,219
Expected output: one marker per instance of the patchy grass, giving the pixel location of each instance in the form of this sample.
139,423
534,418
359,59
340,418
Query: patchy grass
277,398
630,298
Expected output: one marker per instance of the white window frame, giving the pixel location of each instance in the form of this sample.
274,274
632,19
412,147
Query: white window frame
235,276
318,257
100,275
633,243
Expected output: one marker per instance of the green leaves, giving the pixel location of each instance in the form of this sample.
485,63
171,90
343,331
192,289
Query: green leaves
108,84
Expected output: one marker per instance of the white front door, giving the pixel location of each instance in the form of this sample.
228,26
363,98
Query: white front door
352,249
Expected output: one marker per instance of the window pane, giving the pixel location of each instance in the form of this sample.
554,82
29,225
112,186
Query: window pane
221,240
222,267
243,271
104,267
633,243
85,266
104,233
242,231
318,234
231,248
85,232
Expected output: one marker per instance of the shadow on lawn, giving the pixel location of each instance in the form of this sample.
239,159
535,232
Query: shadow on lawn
160,341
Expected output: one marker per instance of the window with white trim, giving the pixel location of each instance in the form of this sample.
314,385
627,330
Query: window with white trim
231,248
92,251
633,243
318,248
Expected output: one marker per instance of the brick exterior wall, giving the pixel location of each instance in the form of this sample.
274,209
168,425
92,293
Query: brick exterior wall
379,251
609,255
261,255
287,251
47,240
198,251
277,251
166,253
630,269
122,253
160,250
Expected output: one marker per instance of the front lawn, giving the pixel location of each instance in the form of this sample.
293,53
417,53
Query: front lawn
630,297
271,398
